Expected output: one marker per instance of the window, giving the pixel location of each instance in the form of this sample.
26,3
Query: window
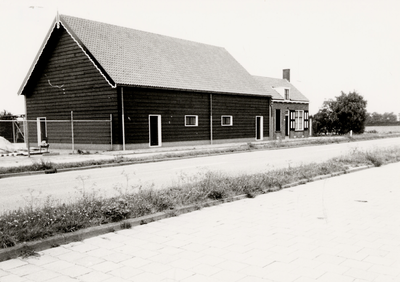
287,96
277,120
226,120
191,121
299,119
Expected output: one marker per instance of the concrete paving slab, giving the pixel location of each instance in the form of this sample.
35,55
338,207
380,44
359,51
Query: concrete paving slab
338,229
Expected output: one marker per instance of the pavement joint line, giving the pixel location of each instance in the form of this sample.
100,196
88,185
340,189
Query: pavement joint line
55,241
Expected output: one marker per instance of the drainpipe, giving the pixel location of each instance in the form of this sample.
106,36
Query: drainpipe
211,120
123,118
271,121
26,129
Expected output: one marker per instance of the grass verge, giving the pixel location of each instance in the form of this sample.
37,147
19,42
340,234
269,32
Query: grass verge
276,144
52,217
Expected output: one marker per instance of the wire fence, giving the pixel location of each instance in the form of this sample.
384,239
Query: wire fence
63,134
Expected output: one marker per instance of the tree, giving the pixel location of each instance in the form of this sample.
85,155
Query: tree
324,121
389,117
6,128
347,112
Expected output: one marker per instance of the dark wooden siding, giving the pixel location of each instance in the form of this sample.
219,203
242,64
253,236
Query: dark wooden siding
244,110
65,80
172,106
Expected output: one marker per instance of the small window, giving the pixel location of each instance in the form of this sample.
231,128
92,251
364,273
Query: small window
287,96
191,121
226,120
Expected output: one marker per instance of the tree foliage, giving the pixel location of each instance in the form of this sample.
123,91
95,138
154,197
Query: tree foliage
385,118
6,129
347,112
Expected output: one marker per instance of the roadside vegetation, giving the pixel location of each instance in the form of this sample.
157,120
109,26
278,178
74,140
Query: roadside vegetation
50,167
39,220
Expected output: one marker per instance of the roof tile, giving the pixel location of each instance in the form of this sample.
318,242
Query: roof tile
133,57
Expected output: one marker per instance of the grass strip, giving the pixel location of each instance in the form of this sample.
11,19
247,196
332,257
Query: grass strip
39,221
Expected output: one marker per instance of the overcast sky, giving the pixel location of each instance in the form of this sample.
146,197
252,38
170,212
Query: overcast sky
330,46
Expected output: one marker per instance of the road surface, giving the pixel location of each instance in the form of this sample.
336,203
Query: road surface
20,191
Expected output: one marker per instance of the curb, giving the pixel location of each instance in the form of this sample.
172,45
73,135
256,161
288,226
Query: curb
55,241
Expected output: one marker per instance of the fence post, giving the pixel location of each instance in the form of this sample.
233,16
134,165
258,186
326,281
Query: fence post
72,131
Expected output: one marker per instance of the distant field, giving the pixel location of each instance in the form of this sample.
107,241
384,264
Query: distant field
383,129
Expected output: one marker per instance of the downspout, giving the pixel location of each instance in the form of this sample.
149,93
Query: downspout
26,129
271,120
211,120
123,118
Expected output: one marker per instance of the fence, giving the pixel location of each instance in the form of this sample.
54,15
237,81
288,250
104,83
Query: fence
12,130
62,134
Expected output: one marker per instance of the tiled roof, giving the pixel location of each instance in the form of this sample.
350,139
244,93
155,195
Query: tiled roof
133,57
271,83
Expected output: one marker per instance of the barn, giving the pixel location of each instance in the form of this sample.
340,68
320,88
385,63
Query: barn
145,90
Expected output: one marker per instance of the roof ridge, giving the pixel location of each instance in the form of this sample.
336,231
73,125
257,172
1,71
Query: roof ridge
144,31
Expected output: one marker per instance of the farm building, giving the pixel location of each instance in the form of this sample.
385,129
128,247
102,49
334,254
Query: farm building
146,90
289,111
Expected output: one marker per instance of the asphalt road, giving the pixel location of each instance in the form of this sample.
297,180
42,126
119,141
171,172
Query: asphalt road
21,191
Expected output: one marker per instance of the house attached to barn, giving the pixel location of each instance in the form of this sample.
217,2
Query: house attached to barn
289,111
157,90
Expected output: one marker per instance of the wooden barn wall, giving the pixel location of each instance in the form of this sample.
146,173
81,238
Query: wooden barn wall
139,103
174,105
65,80
244,110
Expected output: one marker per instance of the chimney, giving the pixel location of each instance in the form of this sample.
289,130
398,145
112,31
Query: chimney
286,74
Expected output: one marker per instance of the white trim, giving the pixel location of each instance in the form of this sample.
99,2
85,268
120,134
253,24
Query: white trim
159,141
261,128
38,55
56,24
39,135
302,120
76,41
222,120
196,120
284,93
290,102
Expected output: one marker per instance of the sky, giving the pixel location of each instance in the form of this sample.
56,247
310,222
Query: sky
330,46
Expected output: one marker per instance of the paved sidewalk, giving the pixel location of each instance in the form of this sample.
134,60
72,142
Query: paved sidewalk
340,229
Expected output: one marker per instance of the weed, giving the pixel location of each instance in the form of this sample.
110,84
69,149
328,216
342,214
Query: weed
28,251
374,159
41,219
126,225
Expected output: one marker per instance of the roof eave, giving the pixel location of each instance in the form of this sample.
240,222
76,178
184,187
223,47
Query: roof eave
86,51
194,90
56,24
291,101
32,67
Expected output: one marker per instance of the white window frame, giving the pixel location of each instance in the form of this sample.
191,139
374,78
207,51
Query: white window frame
299,120
230,118
39,136
196,120
288,93
158,131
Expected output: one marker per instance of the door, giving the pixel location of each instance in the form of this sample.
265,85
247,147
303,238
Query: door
287,123
41,130
155,130
259,128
